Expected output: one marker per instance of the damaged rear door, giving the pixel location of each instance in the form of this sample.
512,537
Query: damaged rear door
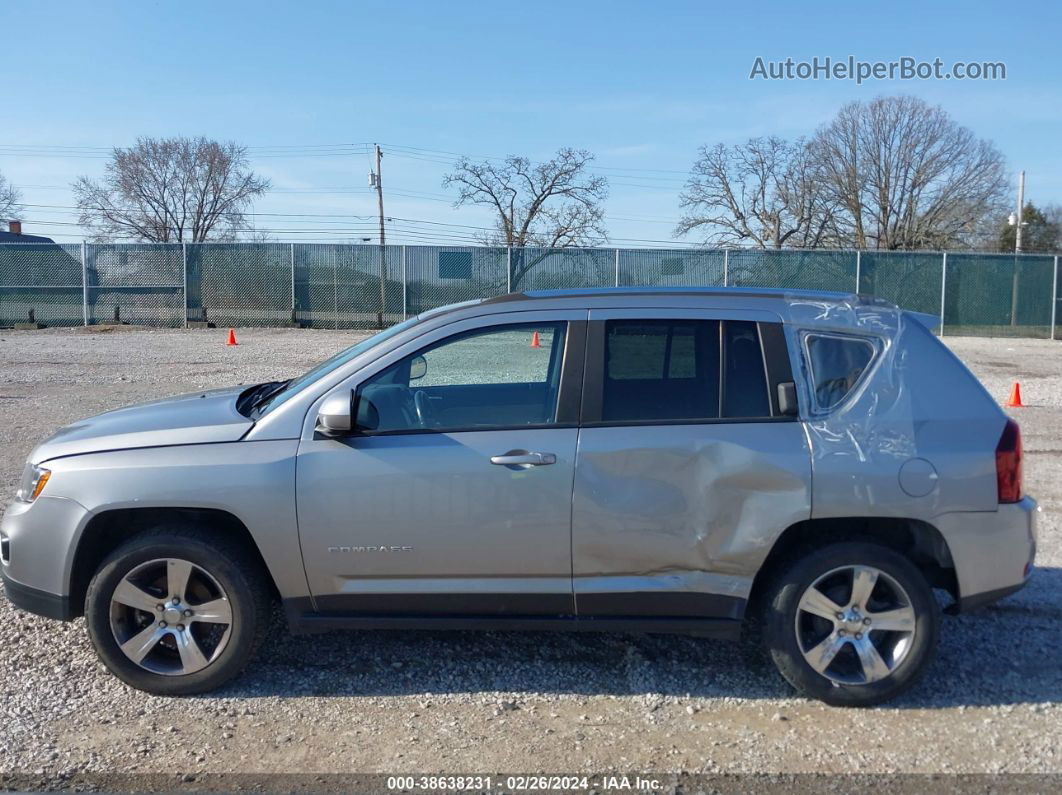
688,466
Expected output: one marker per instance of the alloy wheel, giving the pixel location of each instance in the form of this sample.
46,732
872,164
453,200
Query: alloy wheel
855,625
170,616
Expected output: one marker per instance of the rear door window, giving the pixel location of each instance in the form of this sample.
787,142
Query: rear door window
837,365
668,370
744,375
661,370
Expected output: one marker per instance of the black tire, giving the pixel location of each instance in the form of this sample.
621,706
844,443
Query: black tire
238,573
780,633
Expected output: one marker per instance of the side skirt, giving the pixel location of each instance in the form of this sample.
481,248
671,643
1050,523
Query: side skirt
304,621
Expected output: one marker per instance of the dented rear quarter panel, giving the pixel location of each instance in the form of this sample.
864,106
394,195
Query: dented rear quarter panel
917,408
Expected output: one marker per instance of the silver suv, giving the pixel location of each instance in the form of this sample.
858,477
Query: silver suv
799,468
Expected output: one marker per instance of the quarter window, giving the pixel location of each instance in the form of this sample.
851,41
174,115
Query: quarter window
837,364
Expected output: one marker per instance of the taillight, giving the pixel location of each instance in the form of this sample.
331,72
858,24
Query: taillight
1008,463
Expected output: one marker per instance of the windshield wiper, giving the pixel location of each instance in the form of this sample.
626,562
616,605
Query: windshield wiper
253,396
266,392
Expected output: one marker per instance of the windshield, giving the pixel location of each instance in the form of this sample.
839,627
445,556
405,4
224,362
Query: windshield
327,366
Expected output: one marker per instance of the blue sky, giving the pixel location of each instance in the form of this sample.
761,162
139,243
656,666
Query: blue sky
642,85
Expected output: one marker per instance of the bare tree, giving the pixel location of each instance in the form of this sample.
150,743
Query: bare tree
170,190
10,208
762,192
555,204
907,176
894,173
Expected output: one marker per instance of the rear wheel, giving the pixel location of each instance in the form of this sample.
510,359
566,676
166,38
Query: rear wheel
175,611
851,624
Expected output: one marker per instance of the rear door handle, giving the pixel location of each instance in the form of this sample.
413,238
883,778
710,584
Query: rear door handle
523,459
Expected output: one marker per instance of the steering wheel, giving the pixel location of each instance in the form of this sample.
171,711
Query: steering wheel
424,411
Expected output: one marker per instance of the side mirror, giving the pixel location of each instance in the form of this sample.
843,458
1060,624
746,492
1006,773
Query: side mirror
787,399
334,416
418,368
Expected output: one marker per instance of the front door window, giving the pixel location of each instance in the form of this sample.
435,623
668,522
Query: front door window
501,377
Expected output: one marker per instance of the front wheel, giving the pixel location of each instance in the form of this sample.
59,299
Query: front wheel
851,624
175,612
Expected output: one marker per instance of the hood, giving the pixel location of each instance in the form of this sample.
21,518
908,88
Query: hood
197,418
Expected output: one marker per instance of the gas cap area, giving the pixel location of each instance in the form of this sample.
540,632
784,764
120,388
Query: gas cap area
918,477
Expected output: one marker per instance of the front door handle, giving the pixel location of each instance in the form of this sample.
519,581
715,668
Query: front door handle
523,459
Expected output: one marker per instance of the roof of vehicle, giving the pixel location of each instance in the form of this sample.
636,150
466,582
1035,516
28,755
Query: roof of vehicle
822,306
731,292
818,308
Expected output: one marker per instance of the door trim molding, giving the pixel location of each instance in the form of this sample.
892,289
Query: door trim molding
384,603
659,604
302,619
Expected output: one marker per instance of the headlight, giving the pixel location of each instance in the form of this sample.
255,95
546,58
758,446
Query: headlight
33,480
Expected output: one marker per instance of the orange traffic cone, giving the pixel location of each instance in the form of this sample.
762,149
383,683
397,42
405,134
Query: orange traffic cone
1015,397
232,338
534,341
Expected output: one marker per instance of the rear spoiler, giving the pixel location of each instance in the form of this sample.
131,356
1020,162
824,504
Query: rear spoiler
931,322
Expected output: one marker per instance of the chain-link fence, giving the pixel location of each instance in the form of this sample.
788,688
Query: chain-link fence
42,282
326,285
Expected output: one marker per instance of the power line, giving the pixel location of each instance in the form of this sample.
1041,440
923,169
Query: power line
403,226
672,180
363,145
102,153
67,209
416,234
71,209
422,196
323,218
641,177
320,190
327,150
459,155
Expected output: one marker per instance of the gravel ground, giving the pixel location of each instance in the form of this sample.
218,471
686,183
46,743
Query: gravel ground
468,702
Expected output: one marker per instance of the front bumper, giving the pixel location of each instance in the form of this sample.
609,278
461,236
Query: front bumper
993,551
32,600
39,541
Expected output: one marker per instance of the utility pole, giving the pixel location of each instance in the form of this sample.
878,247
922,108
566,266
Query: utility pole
1017,250
378,179
1021,207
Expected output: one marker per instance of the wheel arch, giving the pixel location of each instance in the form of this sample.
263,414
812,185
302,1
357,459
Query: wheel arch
918,540
108,529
